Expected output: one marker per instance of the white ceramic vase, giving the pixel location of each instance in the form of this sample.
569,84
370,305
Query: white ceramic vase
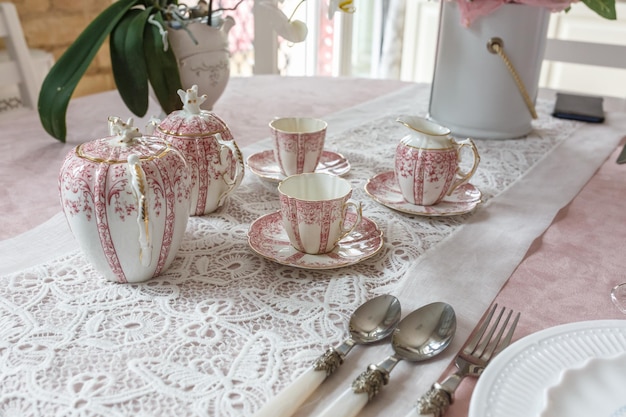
205,63
473,93
126,199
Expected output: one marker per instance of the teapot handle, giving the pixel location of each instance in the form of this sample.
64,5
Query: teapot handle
463,177
138,184
228,148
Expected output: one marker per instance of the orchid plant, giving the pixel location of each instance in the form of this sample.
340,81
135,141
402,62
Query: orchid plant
473,9
140,57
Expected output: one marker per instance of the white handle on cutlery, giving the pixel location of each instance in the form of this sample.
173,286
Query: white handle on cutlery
347,405
291,397
415,413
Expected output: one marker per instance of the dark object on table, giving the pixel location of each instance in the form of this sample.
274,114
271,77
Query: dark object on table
579,107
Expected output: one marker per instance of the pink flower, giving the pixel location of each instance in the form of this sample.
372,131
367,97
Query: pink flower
473,9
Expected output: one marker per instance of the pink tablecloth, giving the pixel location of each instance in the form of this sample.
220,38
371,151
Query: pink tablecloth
568,273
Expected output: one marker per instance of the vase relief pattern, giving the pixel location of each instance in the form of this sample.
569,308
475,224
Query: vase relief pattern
109,218
205,63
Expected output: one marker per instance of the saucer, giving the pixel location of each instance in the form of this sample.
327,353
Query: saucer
384,189
268,238
265,166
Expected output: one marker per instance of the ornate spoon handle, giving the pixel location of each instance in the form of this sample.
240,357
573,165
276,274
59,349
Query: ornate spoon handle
290,398
364,388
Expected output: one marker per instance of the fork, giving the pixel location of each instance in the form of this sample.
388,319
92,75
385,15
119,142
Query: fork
471,361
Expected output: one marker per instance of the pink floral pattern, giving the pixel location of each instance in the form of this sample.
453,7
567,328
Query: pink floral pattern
268,238
425,175
303,219
215,169
99,203
298,153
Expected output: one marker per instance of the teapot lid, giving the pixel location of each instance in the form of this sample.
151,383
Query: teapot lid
191,120
125,140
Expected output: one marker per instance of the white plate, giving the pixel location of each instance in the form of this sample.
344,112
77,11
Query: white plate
516,381
384,189
265,166
268,238
597,389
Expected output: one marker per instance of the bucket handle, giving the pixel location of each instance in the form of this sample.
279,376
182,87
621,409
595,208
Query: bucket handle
496,46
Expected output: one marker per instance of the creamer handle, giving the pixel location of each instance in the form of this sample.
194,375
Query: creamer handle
463,177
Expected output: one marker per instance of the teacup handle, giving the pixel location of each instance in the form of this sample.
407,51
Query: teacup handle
139,184
227,148
359,215
463,177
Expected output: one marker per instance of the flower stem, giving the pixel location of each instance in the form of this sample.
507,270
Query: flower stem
295,10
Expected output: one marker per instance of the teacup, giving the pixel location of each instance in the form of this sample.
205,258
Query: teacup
314,207
298,143
427,162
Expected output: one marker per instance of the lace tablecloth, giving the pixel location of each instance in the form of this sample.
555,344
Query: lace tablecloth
225,329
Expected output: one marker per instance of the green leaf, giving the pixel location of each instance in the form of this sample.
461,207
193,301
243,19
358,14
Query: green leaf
127,60
162,68
605,8
63,77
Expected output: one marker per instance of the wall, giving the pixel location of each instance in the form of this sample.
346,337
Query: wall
53,25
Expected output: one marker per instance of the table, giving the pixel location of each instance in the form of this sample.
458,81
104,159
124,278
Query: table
564,240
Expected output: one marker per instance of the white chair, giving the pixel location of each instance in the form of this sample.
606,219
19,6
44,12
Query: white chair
22,70
606,63
587,53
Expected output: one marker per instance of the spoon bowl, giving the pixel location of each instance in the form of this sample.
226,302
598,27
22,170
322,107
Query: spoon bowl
371,322
424,333
375,320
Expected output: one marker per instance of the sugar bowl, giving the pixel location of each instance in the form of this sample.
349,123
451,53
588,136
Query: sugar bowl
215,162
126,199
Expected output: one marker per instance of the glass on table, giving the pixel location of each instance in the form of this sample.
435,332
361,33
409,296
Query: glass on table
618,296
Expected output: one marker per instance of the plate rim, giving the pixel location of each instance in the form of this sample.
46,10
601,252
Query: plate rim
295,265
279,177
420,213
480,401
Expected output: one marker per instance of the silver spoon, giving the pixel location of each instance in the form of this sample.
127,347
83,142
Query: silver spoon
371,322
424,333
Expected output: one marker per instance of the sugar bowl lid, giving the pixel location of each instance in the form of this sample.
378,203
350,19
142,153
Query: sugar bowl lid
125,140
192,121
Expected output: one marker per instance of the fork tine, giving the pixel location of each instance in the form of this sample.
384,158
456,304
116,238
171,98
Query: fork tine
509,335
485,341
469,348
493,344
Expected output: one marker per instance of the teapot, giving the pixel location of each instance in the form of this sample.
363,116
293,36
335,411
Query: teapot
126,199
427,161
206,142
